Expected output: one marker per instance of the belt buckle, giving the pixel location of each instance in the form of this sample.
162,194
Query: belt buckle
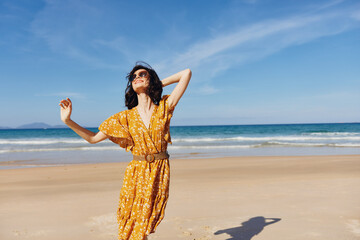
152,157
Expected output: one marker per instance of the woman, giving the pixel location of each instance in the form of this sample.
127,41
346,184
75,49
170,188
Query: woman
143,129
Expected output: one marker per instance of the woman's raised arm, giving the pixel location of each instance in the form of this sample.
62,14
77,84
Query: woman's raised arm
183,79
65,113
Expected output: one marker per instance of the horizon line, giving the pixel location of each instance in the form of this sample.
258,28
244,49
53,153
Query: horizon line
210,125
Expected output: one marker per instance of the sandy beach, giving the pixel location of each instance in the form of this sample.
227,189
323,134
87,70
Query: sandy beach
295,197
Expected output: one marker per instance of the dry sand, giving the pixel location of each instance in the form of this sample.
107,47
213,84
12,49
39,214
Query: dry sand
298,197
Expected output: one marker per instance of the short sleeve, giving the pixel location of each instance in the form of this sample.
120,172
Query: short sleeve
117,128
166,114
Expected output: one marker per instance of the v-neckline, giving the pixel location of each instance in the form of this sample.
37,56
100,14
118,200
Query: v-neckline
142,121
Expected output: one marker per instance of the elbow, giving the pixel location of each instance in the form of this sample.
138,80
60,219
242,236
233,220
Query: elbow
188,74
91,141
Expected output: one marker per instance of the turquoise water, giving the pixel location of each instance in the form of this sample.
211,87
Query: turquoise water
33,147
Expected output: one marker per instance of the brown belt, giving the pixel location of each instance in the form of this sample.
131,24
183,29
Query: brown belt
151,157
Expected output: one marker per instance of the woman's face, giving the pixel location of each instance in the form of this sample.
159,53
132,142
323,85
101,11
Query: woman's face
140,80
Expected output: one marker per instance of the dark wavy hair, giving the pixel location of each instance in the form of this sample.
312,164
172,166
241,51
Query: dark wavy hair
154,90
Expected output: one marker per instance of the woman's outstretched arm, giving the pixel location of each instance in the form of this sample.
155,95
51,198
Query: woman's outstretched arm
183,79
65,113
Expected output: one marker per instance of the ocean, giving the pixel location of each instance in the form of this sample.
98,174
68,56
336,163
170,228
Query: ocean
48,147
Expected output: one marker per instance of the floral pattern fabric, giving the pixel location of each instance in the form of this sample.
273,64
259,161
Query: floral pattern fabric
145,190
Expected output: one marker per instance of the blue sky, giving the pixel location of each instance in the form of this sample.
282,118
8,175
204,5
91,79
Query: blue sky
253,61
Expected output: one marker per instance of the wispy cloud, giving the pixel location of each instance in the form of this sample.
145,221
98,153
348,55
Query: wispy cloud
119,44
356,15
62,95
232,47
351,96
209,56
66,26
208,90
328,4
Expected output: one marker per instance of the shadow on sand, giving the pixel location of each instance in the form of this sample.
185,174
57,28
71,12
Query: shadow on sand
248,229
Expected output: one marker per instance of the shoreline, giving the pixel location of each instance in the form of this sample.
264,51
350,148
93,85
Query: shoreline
54,159
270,197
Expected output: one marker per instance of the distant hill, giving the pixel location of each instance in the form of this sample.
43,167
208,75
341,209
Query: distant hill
35,125
38,125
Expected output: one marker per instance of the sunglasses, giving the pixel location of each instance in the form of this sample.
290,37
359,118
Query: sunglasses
141,75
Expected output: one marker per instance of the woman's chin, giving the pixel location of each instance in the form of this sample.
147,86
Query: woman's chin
140,90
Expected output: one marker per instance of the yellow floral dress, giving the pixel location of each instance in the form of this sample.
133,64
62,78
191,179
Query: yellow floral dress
145,189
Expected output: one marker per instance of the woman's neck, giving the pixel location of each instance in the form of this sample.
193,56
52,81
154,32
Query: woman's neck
144,102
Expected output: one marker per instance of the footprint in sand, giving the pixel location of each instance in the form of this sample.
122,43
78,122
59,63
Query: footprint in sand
20,232
186,233
207,228
27,234
354,226
105,225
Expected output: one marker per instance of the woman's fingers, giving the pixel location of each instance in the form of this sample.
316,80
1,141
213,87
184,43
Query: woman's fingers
65,103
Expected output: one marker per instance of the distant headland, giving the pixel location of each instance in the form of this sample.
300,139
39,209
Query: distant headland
35,125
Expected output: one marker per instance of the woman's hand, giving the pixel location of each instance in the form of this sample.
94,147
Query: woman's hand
65,111
91,137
